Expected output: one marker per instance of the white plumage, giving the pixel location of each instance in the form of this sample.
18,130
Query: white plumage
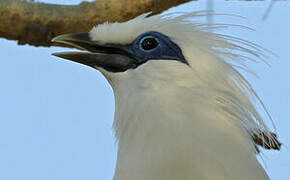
186,122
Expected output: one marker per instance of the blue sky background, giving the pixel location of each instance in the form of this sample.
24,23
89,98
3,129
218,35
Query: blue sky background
56,116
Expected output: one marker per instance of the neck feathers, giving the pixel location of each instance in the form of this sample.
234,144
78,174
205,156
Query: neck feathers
180,134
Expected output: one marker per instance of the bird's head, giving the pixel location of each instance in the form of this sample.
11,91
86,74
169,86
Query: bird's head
146,49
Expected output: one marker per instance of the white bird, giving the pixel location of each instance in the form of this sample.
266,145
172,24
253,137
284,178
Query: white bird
183,111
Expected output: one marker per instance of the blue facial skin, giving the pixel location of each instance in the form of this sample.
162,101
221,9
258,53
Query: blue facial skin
165,50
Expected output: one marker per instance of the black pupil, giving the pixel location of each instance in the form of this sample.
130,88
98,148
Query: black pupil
149,43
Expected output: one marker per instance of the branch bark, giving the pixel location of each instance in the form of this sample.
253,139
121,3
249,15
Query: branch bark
37,23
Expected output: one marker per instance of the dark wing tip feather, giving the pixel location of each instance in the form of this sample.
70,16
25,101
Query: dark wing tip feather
266,140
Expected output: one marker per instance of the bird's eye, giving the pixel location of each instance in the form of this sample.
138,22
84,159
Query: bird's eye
149,43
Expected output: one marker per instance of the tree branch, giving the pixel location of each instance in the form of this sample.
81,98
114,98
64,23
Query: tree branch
37,23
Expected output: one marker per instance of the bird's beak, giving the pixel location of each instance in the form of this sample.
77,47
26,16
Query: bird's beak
113,58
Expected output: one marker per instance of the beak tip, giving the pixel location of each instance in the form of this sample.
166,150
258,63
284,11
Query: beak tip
75,37
54,54
58,39
53,39
60,55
